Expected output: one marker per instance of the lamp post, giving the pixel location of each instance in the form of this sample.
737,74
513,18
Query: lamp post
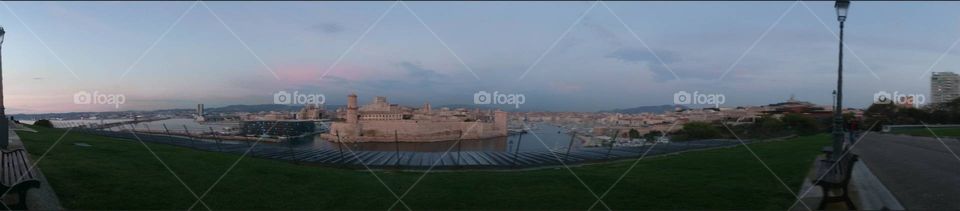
4,122
834,103
842,6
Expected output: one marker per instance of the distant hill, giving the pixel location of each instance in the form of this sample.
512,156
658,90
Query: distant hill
647,109
255,108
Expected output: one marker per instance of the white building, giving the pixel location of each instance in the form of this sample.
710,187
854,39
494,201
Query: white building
944,86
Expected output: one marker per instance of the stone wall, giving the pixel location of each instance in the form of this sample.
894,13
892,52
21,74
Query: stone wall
413,131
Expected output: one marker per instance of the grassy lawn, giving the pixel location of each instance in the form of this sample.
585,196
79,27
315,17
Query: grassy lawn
941,132
122,174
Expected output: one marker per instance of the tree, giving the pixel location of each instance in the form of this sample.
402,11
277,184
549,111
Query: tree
943,113
653,135
634,134
880,115
887,110
770,126
700,130
802,124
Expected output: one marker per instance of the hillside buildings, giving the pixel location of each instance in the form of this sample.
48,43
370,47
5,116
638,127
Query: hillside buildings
620,124
310,112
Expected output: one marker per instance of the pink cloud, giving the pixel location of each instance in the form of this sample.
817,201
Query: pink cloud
298,73
304,74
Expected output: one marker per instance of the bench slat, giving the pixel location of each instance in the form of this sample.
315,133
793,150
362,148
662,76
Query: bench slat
8,167
13,171
17,168
18,165
27,171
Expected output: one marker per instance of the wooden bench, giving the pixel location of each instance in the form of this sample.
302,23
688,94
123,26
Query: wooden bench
16,176
827,150
835,178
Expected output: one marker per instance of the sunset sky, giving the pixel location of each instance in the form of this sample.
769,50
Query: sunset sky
53,50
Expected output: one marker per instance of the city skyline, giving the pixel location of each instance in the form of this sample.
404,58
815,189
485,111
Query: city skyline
178,54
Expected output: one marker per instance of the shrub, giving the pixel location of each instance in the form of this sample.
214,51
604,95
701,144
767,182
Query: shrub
770,126
43,123
700,130
804,125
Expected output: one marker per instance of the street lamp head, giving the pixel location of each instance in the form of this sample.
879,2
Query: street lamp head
2,32
842,7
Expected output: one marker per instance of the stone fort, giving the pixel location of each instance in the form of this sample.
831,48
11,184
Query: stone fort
381,121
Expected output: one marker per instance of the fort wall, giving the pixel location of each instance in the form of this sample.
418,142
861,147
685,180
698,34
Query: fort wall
413,131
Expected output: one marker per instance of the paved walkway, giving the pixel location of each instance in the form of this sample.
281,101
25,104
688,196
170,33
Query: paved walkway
866,191
43,198
920,171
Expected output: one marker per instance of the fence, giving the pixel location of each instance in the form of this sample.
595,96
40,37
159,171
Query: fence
345,156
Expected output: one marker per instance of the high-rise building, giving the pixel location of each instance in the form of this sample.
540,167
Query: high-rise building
199,115
944,87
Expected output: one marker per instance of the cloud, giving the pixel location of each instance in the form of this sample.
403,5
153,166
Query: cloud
328,28
638,55
642,55
602,32
415,77
594,31
418,71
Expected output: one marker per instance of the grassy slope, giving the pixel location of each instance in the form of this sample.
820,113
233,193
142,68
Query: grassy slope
122,174
941,132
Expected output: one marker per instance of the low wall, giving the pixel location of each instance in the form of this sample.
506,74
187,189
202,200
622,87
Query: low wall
888,128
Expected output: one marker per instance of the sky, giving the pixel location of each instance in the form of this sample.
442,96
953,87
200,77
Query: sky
562,56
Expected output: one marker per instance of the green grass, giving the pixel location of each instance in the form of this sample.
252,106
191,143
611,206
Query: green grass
941,132
122,174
